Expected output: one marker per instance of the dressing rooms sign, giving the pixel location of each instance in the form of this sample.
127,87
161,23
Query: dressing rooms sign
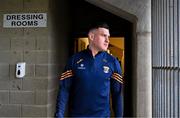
25,20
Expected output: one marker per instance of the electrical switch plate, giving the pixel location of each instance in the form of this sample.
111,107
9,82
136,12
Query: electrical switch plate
20,69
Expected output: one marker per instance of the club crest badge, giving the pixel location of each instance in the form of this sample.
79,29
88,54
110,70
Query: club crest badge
106,69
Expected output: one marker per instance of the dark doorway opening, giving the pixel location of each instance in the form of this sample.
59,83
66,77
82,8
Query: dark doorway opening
82,14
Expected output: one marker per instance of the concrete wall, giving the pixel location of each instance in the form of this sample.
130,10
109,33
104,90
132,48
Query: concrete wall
35,94
166,58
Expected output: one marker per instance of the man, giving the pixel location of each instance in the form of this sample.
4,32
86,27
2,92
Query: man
89,77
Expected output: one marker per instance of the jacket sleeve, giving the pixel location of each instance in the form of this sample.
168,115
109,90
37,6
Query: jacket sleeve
64,89
116,89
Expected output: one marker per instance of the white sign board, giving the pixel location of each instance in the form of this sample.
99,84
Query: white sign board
25,20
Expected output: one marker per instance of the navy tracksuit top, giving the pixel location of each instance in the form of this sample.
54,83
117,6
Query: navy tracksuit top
89,81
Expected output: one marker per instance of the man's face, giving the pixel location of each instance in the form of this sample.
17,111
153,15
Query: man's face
100,39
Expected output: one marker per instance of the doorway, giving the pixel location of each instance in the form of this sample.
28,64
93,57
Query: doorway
82,15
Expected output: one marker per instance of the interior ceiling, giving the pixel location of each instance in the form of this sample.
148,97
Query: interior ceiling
84,13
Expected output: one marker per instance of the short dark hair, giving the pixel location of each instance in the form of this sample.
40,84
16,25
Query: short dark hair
97,25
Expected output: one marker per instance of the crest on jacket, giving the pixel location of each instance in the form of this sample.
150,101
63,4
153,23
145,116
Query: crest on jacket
106,69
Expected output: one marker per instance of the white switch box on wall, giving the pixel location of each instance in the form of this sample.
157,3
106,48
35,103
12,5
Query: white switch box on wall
20,69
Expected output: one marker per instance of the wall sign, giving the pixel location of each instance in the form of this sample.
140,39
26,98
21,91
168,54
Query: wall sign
25,20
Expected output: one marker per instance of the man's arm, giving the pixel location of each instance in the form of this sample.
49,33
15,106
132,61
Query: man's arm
64,90
116,90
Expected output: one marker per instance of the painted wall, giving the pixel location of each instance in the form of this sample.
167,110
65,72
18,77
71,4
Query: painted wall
35,94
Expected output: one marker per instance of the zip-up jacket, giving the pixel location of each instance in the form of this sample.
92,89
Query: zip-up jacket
88,81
